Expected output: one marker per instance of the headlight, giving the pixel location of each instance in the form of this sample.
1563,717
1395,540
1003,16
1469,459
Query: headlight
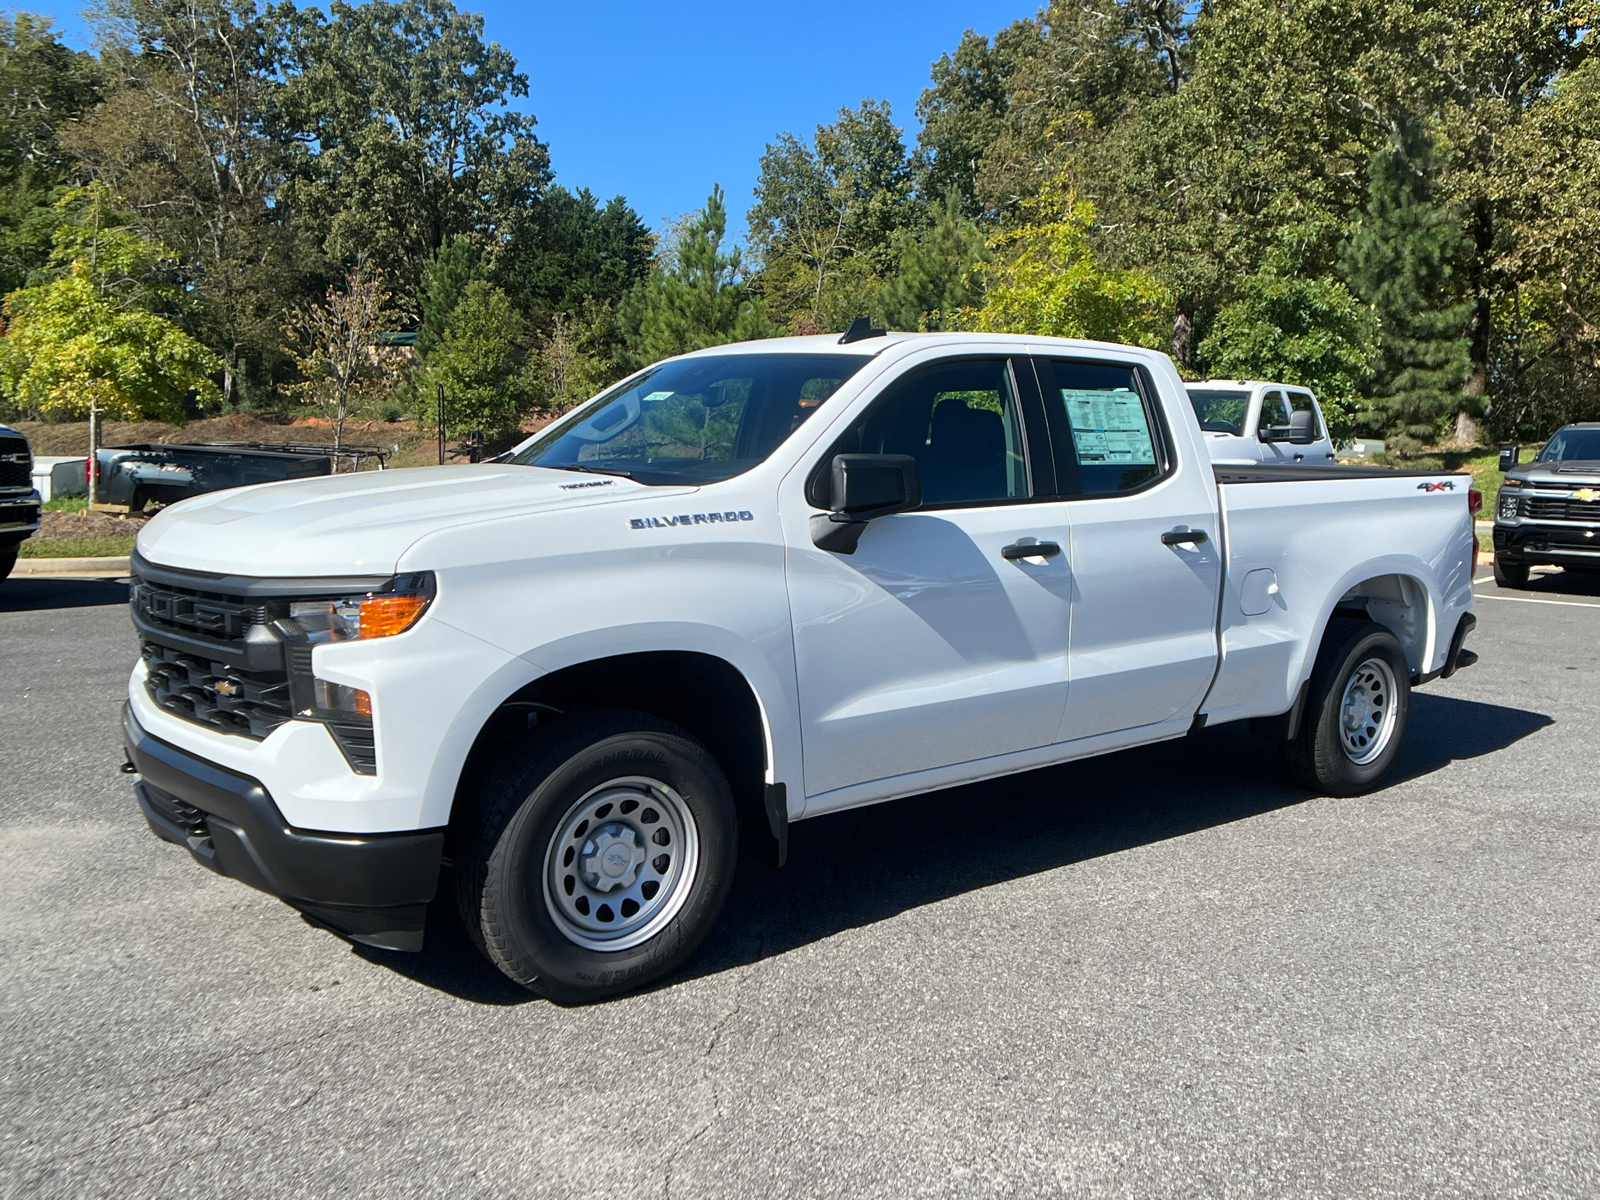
378,614
1508,508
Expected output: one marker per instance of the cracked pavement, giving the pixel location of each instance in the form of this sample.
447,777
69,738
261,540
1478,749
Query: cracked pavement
1163,973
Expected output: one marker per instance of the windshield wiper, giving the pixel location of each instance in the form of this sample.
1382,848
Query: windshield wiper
593,470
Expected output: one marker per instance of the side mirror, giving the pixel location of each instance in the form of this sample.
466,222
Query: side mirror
1508,456
865,487
1302,427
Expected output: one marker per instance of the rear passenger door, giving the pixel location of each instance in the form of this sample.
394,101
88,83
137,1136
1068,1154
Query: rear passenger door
930,646
1144,550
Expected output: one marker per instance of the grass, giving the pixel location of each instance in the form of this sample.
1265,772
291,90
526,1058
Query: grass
68,504
92,547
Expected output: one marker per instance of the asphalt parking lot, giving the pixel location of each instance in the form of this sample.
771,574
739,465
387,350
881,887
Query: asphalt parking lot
1160,974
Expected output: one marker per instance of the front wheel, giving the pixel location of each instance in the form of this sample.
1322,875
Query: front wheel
599,859
1356,711
8,558
1510,574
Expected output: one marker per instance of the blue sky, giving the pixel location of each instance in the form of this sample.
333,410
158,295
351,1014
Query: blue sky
657,101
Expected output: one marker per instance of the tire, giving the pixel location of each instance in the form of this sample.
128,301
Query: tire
1360,663
1510,574
571,836
8,558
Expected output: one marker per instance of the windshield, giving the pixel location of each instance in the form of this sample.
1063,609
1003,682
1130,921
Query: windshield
696,420
1571,443
1221,412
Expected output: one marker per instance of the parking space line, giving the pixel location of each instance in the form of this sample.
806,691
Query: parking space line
1532,600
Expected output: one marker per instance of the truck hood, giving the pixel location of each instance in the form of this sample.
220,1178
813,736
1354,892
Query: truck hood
358,524
1566,471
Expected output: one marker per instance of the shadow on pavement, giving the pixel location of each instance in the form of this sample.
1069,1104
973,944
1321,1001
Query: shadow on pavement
1556,583
31,593
855,868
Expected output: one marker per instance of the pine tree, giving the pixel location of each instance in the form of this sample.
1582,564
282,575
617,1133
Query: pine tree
1398,260
444,281
702,301
937,275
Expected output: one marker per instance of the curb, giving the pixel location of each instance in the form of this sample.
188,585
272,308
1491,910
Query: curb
71,566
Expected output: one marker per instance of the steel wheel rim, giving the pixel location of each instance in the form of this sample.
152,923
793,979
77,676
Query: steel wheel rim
1367,711
620,864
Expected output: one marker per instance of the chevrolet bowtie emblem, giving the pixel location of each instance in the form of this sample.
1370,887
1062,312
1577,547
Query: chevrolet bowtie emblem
1586,494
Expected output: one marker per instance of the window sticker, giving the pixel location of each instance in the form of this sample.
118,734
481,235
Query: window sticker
654,396
1109,427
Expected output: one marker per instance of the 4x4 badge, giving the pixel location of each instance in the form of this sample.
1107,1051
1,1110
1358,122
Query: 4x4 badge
1446,486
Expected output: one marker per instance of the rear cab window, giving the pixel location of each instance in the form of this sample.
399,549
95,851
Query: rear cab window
1107,431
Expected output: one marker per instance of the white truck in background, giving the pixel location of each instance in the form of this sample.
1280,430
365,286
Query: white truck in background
745,587
1246,422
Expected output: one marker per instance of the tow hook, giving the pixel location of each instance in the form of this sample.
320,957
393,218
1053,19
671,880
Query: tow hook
127,767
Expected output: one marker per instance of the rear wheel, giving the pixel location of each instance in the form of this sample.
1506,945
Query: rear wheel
1356,711
8,558
599,859
1510,574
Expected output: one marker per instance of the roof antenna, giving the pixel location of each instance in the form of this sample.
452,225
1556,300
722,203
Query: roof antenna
860,329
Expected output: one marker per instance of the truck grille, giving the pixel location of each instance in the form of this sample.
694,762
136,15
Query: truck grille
1557,507
215,694
16,464
218,618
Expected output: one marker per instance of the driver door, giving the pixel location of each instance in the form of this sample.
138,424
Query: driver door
930,645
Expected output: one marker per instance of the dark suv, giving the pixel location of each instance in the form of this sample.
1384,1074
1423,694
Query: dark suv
19,503
1549,509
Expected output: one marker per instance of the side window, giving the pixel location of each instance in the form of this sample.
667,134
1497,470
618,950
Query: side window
960,421
1274,409
1114,443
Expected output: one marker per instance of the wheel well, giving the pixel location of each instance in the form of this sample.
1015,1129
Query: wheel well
1397,602
704,695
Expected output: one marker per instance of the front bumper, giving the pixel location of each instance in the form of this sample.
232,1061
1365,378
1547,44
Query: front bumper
1566,545
370,888
19,517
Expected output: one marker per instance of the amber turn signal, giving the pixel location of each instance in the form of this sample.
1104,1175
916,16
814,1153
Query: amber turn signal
385,616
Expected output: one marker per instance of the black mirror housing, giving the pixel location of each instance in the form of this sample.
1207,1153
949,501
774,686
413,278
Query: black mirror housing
875,485
1302,427
1508,456
865,487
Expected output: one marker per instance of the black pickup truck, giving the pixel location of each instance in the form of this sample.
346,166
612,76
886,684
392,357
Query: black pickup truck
19,502
1549,509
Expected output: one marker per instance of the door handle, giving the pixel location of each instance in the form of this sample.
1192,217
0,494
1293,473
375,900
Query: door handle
1030,550
1177,537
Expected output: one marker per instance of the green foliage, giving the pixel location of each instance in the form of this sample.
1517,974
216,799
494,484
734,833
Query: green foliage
938,275
568,252
335,347
47,86
1291,329
1545,349
100,332
827,218
1399,259
444,281
1046,280
703,300
407,109
481,363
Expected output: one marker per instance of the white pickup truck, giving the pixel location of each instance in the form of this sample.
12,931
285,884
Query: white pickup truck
1248,421
747,586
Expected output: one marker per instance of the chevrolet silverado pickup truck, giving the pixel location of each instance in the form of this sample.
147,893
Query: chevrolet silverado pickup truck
1549,509
20,504
1247,421
745,587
